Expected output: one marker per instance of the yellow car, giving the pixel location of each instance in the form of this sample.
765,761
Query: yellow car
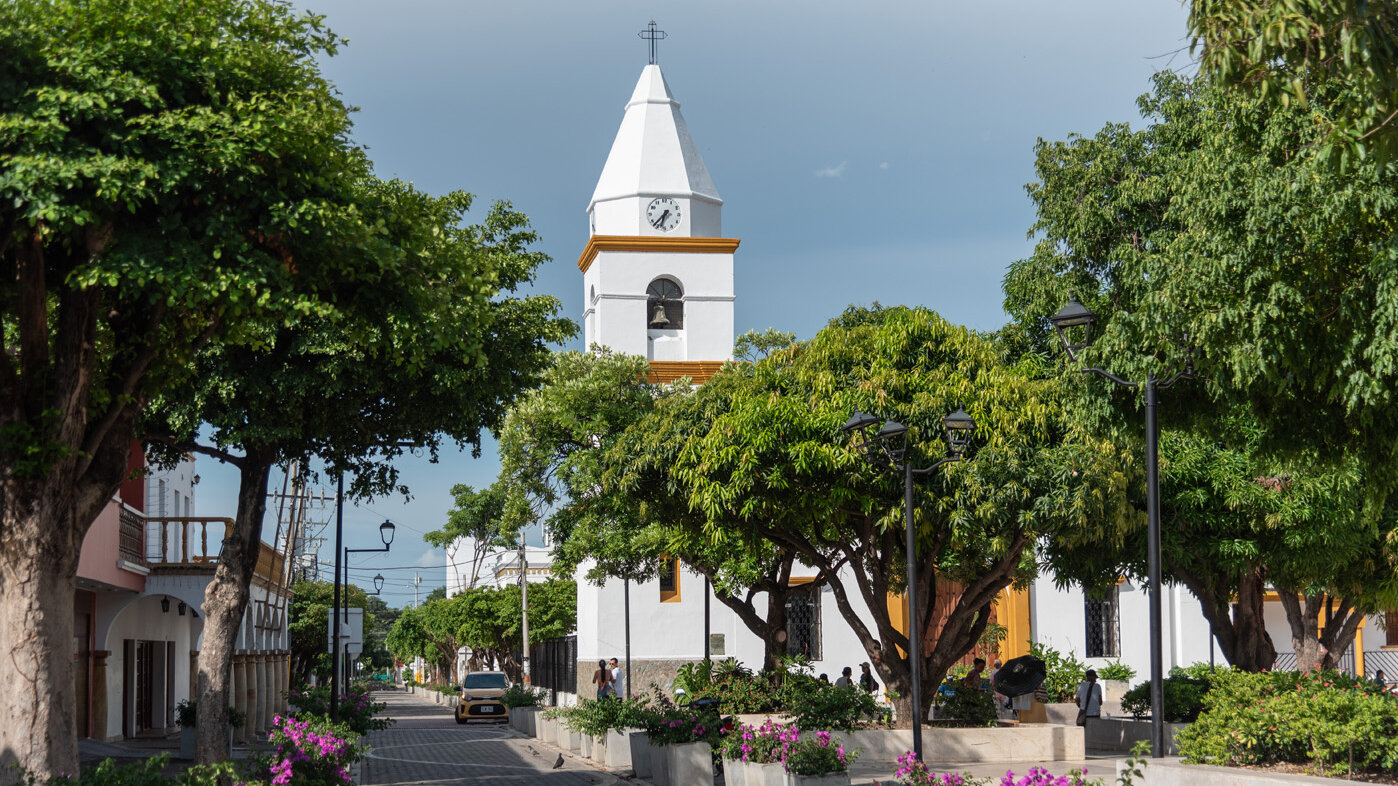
480,697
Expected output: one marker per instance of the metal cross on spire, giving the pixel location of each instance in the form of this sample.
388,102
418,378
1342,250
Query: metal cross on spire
652,35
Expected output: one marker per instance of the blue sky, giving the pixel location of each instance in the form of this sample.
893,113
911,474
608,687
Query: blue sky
864,151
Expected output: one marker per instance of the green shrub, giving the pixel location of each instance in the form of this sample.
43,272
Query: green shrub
1184,698
519,695
667,723
819,705
970,707
1064,672
596,716
816,754
357,708
1116,670
146,773
1326,719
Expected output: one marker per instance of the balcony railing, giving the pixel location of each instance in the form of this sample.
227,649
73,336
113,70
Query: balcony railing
133,525
189,542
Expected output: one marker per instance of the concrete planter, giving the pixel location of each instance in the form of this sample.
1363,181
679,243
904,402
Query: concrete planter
599,749
659,766
618,749
1120,734
640,753
522,720
1113,691
690,764
1028,742
737,772
568,739
831,779
548,729
585,750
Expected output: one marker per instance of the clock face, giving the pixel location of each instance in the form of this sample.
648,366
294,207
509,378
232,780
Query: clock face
663,214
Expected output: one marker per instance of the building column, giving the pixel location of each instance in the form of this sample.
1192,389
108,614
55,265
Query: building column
193,675
249,696
98,706
237,695
264,695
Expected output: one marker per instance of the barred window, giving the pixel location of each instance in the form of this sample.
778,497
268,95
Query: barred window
1103,626
803,622
664,305
1390,629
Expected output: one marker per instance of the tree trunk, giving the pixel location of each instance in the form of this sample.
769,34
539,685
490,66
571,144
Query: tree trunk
1238,626
1302,615
38,570
225,604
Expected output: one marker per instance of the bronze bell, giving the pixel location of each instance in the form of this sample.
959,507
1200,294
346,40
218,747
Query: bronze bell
658,319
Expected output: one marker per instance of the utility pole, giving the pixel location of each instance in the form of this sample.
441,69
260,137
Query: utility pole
417,580
524,607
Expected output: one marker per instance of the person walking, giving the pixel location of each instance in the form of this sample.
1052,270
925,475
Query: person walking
974,676
1088,698
602,678
618,683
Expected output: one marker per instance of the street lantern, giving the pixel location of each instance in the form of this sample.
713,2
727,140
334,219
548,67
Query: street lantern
887,447
386,530
1073,315
378,583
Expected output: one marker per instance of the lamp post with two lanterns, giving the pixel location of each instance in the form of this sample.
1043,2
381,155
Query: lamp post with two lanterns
386,531
885,445
1075,316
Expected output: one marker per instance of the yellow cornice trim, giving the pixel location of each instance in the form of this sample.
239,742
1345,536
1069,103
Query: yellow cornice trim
677,245
699,371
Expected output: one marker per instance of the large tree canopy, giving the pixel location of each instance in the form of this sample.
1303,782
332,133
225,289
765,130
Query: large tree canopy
772,466
168,176
1205,241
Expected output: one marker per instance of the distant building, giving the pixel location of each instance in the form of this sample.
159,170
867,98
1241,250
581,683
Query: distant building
144,566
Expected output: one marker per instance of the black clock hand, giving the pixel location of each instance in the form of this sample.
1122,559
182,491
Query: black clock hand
660,221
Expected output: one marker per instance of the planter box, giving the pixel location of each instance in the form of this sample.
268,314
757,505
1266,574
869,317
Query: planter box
599,749
522,719
618,749
640,754
659,766
1119,734
1025,742
548,729
833,779
690,764
568,739
737,772
586,748
1113,691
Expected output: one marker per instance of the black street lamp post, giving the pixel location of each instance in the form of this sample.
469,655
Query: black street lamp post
1075,315
885,445
386,531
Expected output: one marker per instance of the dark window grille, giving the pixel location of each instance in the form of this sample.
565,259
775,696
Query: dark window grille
1103,626
1390,629
803,623
669,297
553,664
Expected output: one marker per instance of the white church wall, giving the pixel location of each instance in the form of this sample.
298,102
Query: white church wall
621,279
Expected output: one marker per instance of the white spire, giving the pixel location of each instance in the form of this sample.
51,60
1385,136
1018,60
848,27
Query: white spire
653,154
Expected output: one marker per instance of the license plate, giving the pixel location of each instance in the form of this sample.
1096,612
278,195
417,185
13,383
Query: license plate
488,708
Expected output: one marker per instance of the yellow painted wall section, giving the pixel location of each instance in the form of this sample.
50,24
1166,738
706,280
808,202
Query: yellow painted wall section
1012,611
898,615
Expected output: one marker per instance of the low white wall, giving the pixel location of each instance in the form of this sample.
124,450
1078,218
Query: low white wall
1117,734
1029,742
1172,772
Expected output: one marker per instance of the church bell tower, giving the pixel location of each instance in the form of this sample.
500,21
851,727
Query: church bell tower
657,271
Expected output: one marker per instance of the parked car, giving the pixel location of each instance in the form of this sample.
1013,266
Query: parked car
480,697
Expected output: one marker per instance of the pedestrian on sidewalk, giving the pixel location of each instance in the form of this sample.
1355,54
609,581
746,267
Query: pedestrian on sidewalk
602,678
1089,698
618,680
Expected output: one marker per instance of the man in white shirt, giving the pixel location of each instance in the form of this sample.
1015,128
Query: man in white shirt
1089,698
844,680
618,689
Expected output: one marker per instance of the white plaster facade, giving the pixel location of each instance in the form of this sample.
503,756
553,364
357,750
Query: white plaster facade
654,158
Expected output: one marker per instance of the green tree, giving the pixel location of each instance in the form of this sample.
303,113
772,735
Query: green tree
166,178
493,621
473,523
437,355
773,467
1208,223
1274,51
308,621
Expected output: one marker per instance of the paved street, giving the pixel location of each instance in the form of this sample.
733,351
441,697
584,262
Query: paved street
426,747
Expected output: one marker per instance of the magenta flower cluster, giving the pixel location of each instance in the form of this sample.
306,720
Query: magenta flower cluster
772,743
912,772
305,752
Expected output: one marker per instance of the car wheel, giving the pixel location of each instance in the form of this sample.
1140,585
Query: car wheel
461,719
